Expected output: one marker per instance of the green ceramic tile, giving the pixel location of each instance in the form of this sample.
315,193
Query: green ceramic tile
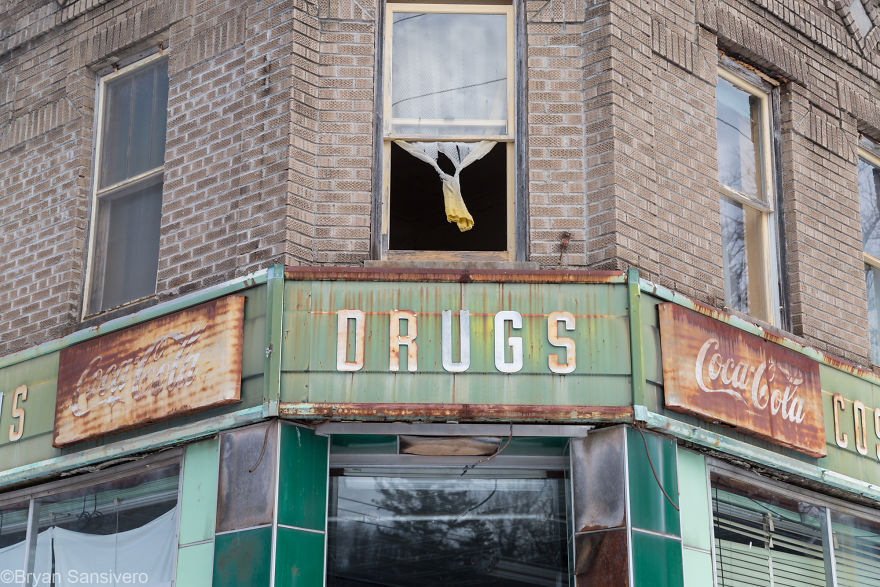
243,558
656,561
302,490
194,565
697,568
198,499
696,516
649,508
299,558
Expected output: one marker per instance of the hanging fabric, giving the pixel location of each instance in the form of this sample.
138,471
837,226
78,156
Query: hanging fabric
12,557
150,549
461,155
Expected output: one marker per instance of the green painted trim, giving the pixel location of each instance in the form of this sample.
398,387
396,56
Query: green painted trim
274,338
770,459
636,341
147,442
179,303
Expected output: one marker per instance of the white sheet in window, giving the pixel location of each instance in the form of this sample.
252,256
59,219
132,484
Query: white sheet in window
12,557
150,549
461,155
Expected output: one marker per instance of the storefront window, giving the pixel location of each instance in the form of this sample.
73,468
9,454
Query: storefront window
446,524
122,523
770,534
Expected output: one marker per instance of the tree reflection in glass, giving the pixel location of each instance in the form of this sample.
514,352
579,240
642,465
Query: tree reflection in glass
733,243
426,531
738,123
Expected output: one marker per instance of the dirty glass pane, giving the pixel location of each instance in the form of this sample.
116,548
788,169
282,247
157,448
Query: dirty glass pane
856,550
762,539
133,126
127,525
739,139
13,532
449,74
424,530
246,493
872,283
869,197
126,244
733,243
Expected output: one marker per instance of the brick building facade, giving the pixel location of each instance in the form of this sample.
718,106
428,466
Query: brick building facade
279,136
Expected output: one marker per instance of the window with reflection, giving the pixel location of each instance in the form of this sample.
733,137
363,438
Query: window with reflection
123,523
745,174
127,187
448,131
869,199
445,522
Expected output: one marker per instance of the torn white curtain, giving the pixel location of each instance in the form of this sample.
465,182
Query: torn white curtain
461,155
150,549
12,557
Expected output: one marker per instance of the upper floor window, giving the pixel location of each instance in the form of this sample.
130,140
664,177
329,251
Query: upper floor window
745,174
869,198
448,134
127,187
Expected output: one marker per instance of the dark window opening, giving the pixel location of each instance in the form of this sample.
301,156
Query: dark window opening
417,214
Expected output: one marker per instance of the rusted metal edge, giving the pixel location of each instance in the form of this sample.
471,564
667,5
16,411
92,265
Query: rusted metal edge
167,307
416,274
772,335
146,443
762,456
436,412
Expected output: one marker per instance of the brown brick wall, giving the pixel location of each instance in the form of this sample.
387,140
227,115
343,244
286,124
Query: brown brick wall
271,142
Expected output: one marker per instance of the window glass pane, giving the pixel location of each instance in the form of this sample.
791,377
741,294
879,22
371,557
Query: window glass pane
739,139
449,74
869,193
856,550
425,530
133,139
872,282
13,532
733,243
126,525
127,244
761,539
115,135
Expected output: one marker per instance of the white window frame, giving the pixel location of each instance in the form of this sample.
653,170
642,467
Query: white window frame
509,138
764,295
95,192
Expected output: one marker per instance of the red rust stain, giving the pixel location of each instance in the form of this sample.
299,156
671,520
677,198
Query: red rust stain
461,412
450,275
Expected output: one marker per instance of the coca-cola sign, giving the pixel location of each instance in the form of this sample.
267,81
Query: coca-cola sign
721,373
176,364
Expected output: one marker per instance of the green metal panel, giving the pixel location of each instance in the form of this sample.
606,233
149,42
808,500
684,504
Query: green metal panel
601,336
649,508
697,565
302,481
299,558
194,565
696,515
39,373
198,499
656,561
243,558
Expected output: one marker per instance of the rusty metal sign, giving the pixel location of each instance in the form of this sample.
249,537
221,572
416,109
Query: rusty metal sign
720,373
174,365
